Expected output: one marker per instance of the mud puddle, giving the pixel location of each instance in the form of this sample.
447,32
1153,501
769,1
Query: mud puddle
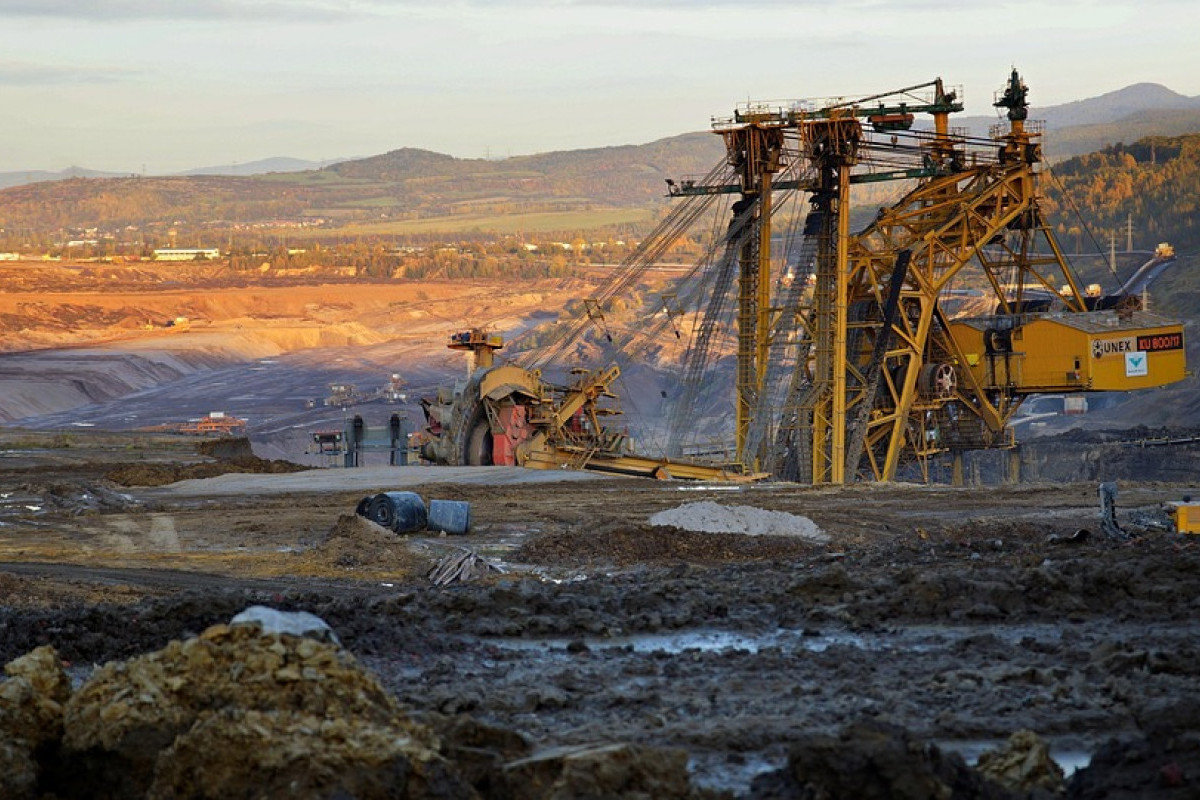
708,641
911,639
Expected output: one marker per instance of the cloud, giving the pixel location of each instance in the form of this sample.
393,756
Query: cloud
127,10
329,10
19,74
323,10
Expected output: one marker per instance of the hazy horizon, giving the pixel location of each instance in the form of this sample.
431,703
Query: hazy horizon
170,85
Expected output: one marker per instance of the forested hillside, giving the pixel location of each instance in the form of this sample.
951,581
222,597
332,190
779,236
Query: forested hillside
1153,183
1156,180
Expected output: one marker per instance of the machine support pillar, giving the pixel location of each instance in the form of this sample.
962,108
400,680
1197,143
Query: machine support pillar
763,321
1014,465
747,317
837,455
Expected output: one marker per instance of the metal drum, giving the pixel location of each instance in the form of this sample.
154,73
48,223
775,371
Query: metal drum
403,512
450,516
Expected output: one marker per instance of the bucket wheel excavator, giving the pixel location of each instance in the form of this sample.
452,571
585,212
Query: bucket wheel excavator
858,371
509,416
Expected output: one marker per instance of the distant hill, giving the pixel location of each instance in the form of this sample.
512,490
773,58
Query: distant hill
404,184
1114,106
1080,139
414,192
262,167
8,179
1124,115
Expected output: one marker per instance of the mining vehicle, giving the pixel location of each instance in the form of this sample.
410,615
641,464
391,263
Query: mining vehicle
509,416
861,370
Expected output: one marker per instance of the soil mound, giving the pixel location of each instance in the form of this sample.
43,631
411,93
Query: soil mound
235,712
162,474
356,542
616,543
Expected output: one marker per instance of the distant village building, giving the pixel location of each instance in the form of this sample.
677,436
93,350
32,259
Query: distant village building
10,256
186,253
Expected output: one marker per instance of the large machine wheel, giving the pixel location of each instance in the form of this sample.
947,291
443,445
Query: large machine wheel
479,445
937,381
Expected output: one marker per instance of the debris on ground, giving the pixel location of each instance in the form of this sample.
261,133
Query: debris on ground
1108,512
296,623
1078,537
707,516
1023,764
462,566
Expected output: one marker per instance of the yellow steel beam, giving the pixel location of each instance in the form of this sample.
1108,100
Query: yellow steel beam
554,457
762,327
837,461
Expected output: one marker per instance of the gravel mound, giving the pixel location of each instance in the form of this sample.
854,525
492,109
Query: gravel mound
709,517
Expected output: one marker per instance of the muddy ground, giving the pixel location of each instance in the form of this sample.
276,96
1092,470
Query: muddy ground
960,615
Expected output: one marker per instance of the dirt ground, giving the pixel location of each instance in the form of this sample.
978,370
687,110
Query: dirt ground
957,615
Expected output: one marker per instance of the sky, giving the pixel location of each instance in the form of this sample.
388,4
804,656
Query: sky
168,85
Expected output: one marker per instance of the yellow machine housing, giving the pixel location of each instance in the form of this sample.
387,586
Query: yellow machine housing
1186,517
1113,350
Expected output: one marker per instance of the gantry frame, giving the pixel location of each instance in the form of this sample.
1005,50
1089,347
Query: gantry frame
875,387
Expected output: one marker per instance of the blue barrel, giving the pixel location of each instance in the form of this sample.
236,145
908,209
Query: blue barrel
450,516
403,512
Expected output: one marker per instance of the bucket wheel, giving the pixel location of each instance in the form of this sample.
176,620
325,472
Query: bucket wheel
479,445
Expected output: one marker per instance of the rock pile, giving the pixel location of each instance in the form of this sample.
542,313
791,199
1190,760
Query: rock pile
251,710
233,712
709,517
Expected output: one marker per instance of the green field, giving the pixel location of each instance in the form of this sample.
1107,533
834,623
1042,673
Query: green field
532,222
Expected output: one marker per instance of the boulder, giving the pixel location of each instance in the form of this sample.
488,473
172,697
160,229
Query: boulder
297,623
477,750
616,770
874,761
1023,764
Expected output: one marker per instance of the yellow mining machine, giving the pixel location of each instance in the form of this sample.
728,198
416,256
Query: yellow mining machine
848,366
510,416
868,372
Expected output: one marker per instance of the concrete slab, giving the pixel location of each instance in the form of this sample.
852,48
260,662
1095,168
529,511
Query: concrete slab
368,480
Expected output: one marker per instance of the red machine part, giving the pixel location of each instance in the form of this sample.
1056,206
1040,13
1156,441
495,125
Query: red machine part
516,430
